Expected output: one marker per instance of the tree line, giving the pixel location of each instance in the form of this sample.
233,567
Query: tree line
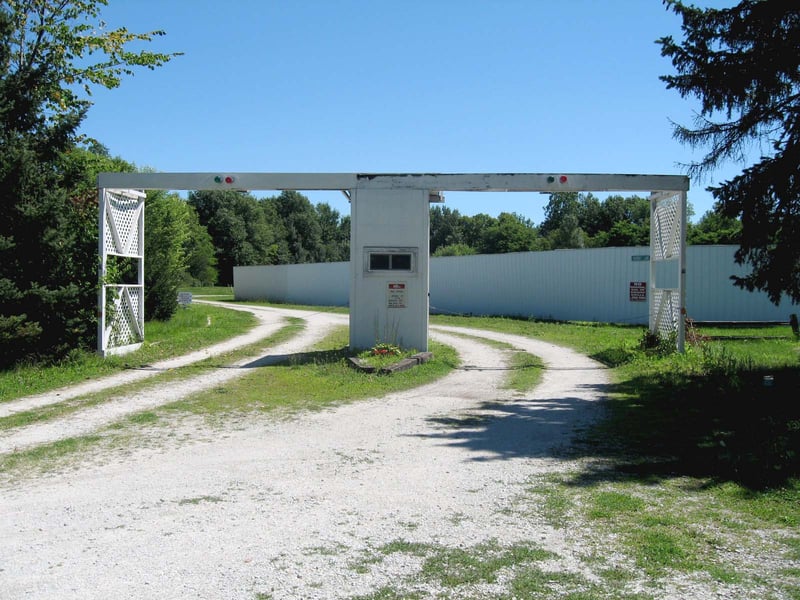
572,220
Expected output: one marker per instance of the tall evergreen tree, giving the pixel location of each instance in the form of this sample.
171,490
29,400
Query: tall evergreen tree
743,65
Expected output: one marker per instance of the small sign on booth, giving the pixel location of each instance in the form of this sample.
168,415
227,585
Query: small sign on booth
396,295
638,291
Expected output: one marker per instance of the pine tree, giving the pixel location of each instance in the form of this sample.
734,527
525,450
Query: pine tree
743,64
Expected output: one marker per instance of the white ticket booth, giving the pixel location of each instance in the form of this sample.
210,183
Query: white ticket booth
389,267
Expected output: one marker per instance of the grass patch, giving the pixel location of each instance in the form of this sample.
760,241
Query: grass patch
447,572
552,501
212,290
312,380
189,329
452,567
390,593
459,567
48,456
659,546
526,371
60,409
199,500
609,505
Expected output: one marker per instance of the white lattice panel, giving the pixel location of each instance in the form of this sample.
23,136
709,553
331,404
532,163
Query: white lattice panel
124,327
122,231
666,226
121,323
665,312
668,247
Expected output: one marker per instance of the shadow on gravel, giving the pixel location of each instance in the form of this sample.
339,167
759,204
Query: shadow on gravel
650,429
520,428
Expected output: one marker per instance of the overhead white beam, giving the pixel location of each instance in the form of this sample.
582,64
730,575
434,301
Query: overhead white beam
525,182
454,182
227,180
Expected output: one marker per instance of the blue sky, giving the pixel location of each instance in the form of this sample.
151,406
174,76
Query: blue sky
403,86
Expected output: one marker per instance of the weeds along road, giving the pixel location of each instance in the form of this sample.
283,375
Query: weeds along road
301,507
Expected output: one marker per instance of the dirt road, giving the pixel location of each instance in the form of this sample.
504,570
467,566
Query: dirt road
304,507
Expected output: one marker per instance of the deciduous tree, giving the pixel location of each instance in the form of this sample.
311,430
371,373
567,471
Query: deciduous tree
239,229
51,54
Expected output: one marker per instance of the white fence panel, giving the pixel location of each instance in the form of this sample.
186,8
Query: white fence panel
323,284
711,295
585,285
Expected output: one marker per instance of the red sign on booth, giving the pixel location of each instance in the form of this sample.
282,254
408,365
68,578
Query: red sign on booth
396,295
638,291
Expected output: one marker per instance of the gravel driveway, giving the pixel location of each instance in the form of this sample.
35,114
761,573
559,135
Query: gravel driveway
300,507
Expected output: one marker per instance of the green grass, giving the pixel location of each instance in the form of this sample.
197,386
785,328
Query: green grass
612,505
526,371
552,501
459,572
215,290
327,309
60,409
312,380
190,329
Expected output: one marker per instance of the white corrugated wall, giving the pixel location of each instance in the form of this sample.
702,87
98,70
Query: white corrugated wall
584,285
323,284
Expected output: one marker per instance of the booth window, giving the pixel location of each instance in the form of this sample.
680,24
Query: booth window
390,261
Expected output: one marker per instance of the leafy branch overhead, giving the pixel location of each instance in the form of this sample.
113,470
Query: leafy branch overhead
68,40
52,53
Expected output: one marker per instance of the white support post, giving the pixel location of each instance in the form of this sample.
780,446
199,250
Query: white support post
121,214
668,261
682,274
102,273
